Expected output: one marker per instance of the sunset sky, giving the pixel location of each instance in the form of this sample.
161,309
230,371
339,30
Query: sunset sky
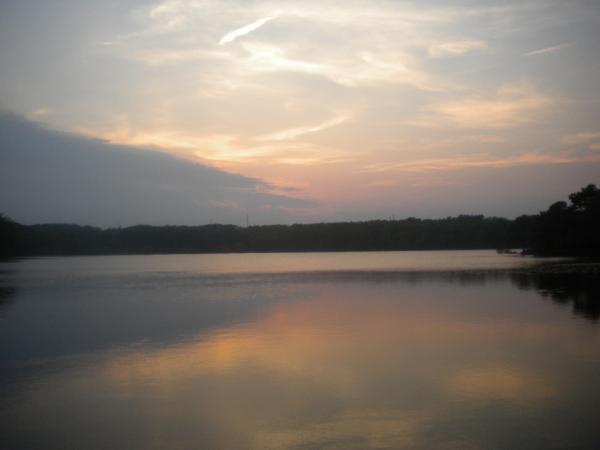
303,111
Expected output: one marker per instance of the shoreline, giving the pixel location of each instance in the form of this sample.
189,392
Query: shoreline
582,267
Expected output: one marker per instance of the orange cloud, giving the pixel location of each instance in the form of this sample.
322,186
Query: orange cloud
510,106
476,161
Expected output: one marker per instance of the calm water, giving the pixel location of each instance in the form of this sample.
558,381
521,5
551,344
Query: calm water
391,350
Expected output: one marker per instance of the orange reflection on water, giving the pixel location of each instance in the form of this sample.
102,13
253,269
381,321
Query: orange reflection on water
344,368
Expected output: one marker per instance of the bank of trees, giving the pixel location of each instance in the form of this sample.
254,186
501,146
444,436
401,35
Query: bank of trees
9,236
571,228
462,232
562,229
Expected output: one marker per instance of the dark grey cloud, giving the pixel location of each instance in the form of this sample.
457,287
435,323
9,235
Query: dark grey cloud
52,176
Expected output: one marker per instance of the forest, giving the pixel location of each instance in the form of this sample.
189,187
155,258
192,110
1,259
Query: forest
565,228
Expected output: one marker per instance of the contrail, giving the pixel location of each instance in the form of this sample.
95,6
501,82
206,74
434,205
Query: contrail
233,35
296,132
543,51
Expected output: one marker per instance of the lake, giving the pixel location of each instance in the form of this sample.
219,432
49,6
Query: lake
369,350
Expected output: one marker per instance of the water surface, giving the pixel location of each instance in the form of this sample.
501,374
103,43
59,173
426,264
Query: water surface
386,350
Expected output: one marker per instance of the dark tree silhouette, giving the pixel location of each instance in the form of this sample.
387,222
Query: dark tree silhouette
9,231
586,200
563,229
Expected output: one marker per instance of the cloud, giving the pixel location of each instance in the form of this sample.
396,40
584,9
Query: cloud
268,57
273,148
455,48
591,140
50,176
293,133
38,113
460,162
265,104
233,35
363,69
547,50
510,106
175,56
350,46
580,138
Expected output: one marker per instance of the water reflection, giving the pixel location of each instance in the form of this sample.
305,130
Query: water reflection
8,290
7,294
332,370
346,359
581,291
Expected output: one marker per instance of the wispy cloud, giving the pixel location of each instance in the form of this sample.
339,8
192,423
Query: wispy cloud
39,113
156,57
365,69
546,50
227,149
510,106
591,140
580,138
477,162
272,58
233,35
454,48
317,41
293,133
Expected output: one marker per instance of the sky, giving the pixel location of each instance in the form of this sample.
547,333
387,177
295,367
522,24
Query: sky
295,111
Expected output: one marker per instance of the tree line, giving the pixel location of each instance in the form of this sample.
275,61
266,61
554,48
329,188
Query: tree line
563,229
